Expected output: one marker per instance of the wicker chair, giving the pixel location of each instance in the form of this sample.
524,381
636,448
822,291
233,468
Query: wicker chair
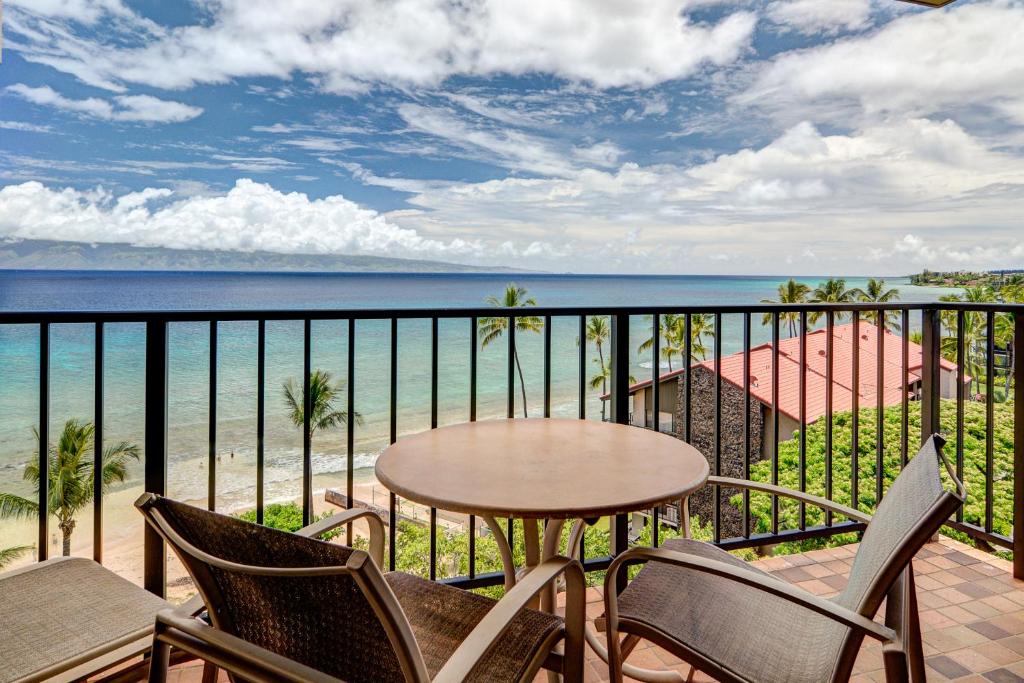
290,607
737,623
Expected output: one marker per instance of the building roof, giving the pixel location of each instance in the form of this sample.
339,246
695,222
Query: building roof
760,381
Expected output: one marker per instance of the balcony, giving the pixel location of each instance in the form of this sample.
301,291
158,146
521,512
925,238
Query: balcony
970,593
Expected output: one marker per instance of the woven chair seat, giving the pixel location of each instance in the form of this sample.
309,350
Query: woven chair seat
753,635
442,617
70,612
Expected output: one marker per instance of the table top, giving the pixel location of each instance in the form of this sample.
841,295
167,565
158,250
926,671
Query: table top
542,468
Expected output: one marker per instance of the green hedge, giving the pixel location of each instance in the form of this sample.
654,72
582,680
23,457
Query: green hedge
973,467
286,517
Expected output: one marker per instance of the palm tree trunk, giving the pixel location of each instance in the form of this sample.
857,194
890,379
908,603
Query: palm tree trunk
66,527
604,381
522,384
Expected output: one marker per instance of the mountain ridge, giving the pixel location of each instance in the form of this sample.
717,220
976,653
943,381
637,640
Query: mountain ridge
57,255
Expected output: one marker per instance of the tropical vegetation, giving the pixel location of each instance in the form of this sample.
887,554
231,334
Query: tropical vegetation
492,329
8,555
974,466
69,482
286,517
975,334
324,413
790,292
674,334
876,292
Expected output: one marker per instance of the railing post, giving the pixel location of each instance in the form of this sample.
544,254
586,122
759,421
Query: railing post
44,441
1018,447
154,554
930,378
620,414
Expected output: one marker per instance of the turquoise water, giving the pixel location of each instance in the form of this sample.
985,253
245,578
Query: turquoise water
72,360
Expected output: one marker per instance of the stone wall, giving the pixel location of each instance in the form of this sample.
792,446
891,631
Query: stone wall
702,436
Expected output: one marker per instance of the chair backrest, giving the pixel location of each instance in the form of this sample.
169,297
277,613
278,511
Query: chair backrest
910,513
323,619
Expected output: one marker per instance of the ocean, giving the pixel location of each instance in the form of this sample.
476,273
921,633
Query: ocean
72,362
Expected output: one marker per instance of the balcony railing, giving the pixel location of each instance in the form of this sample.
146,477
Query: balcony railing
941,327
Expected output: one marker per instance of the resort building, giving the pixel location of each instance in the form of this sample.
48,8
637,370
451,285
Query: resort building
764,413
672,385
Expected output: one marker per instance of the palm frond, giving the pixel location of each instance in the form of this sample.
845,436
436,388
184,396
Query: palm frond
13,506
8,555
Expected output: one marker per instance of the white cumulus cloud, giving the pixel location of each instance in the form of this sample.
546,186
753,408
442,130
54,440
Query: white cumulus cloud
350,45
965,58
250,217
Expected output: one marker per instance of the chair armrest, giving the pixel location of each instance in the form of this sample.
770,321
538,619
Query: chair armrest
485,634
767,584
824,503
376,524
231,653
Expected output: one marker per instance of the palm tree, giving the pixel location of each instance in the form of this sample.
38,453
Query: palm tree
8,555
877,293
974,332
600,380
598,332
673,336
492,329
322,395
701,325
832,291
791,292
70,477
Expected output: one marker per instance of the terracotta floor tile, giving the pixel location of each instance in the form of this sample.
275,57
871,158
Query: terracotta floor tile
1002,676
998,653
981,609
934,619
946,668
952,595
962,616
989,630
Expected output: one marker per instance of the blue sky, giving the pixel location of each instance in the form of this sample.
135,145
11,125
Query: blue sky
685,136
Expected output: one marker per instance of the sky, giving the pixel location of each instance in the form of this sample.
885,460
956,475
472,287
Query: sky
839,137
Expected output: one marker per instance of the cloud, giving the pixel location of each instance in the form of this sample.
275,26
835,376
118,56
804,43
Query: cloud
86,12
134,108
811,17
832,195
25,127
504,147
963,59
250,217
913,249
346,47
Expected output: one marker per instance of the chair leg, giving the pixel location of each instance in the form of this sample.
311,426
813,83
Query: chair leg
912,632
209,672
159,660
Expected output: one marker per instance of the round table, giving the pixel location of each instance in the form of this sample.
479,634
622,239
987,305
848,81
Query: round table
544,469
541,469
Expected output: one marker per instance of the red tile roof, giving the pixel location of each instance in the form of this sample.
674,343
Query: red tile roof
842,371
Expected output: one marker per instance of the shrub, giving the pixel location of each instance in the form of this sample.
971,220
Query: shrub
286,517
974,467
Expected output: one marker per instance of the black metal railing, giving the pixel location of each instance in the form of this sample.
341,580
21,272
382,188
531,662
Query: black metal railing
926,387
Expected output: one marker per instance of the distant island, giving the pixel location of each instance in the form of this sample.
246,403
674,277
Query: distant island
54,255
966,278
